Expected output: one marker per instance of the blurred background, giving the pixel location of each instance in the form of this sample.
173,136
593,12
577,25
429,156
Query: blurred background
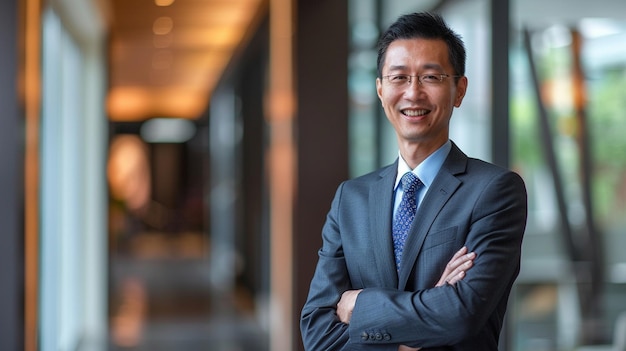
167,165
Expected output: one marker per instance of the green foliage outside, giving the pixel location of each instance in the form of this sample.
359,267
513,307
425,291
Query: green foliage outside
606,110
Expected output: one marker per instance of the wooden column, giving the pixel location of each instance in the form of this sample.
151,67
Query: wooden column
322,47
281,161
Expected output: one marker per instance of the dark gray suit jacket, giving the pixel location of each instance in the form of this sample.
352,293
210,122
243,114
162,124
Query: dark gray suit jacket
470,203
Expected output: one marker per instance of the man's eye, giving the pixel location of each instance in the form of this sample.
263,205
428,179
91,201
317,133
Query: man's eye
399,78
430,78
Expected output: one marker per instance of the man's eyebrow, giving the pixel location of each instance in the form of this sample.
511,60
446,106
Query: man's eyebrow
435,66
427,66
397,68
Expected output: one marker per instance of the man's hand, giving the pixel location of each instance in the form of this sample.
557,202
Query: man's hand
346,305
455,271
456,268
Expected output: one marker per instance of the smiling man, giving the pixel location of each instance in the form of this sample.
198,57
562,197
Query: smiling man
420,254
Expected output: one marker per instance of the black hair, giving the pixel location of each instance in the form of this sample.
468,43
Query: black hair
426,26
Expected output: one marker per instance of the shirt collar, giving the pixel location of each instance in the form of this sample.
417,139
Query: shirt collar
428,169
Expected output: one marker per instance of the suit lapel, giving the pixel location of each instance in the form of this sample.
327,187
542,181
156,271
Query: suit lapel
380,210
440,191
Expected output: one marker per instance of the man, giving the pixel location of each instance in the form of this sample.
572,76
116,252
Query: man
378,286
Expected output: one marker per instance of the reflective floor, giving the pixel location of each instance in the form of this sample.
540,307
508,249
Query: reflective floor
162,299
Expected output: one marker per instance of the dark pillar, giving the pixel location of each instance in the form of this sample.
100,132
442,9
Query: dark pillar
11,244
500,25
321,51
500,136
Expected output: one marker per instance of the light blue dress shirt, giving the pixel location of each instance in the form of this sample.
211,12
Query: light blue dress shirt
425,171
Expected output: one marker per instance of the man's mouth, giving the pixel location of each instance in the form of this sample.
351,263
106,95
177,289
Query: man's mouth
414,113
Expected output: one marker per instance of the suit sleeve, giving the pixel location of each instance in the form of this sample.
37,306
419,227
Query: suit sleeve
320,327
450,314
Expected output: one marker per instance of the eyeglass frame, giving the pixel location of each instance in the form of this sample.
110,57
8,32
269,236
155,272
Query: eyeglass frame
419,77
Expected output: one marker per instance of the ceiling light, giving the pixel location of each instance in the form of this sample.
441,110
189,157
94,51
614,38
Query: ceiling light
163,2
163,25
167,130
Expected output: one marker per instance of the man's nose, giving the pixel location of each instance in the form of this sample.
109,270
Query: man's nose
414,88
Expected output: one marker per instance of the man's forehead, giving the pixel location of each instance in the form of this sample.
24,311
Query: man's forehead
430,53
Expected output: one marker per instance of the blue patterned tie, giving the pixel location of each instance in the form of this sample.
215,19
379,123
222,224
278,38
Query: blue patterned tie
404,214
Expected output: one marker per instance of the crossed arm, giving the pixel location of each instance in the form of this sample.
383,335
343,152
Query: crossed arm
455,271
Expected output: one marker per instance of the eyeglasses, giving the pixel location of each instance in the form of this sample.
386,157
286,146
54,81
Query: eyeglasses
399,80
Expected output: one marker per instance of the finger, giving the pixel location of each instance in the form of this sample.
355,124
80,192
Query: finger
459,262
462,251
452,265
462,264
460,272
342,314
455,278
455,261
454,268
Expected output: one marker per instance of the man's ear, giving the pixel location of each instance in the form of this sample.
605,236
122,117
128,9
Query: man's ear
461,88
379,89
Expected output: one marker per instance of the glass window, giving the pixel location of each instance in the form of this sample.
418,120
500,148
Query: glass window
578,199
61,235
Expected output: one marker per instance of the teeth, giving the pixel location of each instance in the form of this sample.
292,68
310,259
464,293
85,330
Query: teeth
415,113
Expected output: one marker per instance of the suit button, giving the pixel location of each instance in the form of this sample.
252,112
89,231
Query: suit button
372,337
364,336
379,336
387,337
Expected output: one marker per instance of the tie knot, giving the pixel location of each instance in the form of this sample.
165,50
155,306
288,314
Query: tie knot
410,182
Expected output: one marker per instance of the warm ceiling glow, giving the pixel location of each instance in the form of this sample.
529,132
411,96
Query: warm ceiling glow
136,104
162,59
163,25
163,2
159,70
160,77
232,13
126,102
204,60
163,41
180,101
221,37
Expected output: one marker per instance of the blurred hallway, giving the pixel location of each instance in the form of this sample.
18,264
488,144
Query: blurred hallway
167,165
